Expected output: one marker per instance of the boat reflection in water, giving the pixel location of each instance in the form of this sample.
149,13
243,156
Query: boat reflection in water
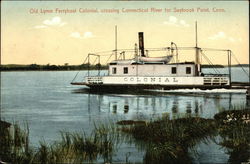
142,106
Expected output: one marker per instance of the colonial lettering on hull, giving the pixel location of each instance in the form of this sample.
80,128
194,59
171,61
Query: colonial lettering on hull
151,79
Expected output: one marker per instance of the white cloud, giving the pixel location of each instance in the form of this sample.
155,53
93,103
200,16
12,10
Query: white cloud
222,35
183,23
173,21
55,21
219,35
86,35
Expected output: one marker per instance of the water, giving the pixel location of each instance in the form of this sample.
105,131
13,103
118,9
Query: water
48,102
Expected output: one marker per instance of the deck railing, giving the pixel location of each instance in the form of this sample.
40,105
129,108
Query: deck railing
216,80
94,79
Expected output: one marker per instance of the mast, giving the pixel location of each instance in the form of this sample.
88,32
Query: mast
116,42
229,65
196,37
197,55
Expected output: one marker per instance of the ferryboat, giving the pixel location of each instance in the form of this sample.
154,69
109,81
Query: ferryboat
164,73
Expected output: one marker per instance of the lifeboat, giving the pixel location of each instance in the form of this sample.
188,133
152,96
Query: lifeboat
165,59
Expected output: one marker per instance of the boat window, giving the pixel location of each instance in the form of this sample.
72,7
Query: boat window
174,71
188,70
125,70
114,70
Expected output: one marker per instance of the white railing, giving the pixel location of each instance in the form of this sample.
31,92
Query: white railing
94,79
216,81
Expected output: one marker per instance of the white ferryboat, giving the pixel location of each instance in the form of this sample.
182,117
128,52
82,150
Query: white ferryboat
144,72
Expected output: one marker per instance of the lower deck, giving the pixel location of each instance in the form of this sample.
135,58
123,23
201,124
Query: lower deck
159,80
150,82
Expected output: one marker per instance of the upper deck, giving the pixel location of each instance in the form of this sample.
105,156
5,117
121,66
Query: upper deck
152,69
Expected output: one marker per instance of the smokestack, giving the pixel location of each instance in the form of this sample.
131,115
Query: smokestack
141,44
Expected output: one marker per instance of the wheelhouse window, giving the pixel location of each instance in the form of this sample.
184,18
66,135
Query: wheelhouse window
188,70
114,70
125,70
173,70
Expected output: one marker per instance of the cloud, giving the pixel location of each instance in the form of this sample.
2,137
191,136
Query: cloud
183,23
173,21
219,35
86,35
55,21
222,35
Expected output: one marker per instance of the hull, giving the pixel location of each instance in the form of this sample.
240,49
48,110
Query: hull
171,81
138,87
137,83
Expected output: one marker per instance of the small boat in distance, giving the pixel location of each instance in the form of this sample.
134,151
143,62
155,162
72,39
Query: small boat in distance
144,72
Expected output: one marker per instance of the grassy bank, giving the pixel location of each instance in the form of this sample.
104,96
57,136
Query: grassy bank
169,141
163,140
234,128
71,148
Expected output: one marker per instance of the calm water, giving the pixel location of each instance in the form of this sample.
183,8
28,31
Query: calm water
48,102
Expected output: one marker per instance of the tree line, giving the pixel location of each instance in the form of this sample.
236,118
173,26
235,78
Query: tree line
48,67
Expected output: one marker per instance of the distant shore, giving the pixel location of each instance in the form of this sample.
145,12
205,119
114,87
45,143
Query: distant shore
48,67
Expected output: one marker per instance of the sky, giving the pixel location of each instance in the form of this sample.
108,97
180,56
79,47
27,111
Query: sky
40,32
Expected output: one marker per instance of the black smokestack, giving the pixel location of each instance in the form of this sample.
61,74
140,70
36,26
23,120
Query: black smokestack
141,44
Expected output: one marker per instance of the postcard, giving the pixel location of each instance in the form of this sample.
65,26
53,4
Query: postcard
125,82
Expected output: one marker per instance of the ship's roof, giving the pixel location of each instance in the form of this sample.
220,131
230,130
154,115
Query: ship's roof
133,61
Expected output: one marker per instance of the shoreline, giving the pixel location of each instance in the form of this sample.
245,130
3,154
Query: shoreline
34,67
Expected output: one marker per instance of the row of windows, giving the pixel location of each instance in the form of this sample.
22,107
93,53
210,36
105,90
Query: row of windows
125,70
173,70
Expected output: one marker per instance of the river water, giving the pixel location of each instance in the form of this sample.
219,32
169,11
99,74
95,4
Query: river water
47,101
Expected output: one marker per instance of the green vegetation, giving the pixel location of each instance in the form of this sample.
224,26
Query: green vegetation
164,140
240,65
72,148
169,141
48,67
234,128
